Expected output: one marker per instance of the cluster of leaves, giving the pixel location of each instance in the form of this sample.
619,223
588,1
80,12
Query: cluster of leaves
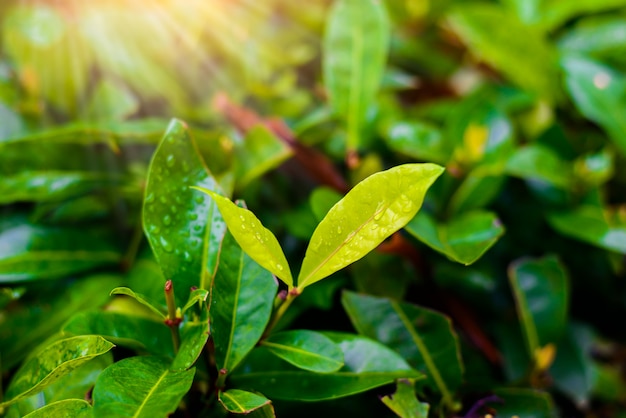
443,177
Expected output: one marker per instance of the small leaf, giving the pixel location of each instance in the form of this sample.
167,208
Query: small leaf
139,298
241,402
368,365
355,50
372,211
256,240
541,290
196,296
306,350
183,227
404,402
539,163
423,337
194,335
417,140
127,331
53,362
75,408
140,387
464,239
243,297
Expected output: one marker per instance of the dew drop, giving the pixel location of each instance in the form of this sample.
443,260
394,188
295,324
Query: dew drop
199,199
259,237
188,257
197,228
170,161
280,267
162,199
193,216
167,220
243,226
242,218
155,229
339,230
150,198
378,216
167,247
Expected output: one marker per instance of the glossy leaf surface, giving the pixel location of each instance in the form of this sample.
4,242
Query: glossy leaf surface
372,211
464,239
183,226
404,402
355,52
241,402
423,337
139,298
140,387
242,302
306,350
541,290
257,241
124,330
54,361
75,408
194,334
368,364
538,163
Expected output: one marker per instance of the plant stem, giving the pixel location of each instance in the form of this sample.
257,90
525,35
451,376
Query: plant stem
280,311
173,319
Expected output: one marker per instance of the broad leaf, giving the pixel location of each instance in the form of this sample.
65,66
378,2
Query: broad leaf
194,334
195,297
368,364
519,51
127,331
306,350
423,337
75,408
241,402
464,239
541,290
599,92
372,211
355,52
404,402
53,362
417,140
139,298
242,302
536,162
22,328
29,251
589,224
322,200
256,240
140,387
524,403
183,226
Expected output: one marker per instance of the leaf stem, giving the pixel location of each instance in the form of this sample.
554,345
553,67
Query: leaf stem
174,316
280,311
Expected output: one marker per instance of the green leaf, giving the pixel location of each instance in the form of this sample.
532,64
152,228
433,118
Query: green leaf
194,335
524,403
404,402
541,291
183,226
75,408
599,93
597,36
372,211
589,224
520,52
127,331
29,252
354,56
140,387
418,140
22,327
196,296
53,362
423,337
464,239
260,152
536,162
139,298
241,402
368,365
306,350
478,189
322,200
243,297
256,240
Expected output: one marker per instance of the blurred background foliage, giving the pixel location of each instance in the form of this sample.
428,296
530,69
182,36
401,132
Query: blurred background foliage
523,101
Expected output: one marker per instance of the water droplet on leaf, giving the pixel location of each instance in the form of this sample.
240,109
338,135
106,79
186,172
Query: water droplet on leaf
167,220
170,160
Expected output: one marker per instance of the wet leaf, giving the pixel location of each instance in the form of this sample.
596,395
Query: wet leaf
194,335
423,337
404,402
464,239
242,302
183,226
141,299
306,350
140,387
258,242
372,211
241,402
75,408
195,297
536,162
355,52
53,362
368,364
